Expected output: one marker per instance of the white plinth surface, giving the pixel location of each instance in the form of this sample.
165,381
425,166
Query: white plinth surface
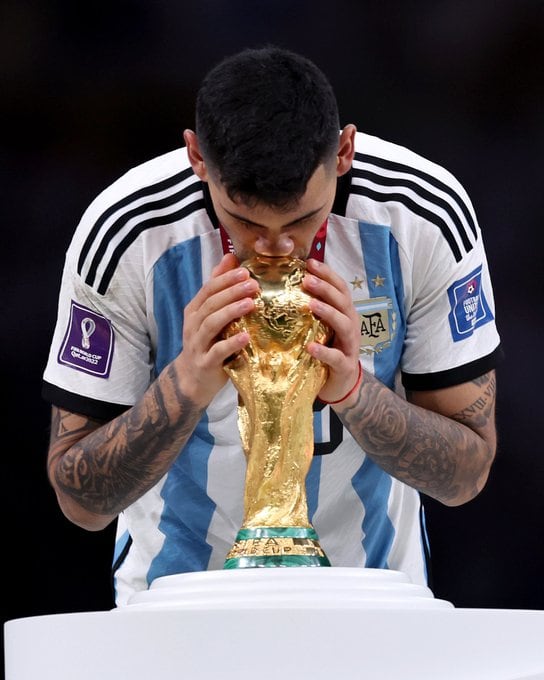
318,623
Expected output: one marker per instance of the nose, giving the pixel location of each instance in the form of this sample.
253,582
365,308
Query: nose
274,246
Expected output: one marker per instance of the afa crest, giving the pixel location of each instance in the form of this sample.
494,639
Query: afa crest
378,324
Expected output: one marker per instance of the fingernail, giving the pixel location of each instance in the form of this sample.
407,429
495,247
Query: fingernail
316,306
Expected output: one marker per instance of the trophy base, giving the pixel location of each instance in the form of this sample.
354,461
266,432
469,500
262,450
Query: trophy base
276,547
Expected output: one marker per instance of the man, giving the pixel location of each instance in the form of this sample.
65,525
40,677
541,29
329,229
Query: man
144,419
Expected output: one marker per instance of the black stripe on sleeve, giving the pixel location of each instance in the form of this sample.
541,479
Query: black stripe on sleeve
162,204
415,208
75,403
157,221
430,179
424,194
453,376
127,200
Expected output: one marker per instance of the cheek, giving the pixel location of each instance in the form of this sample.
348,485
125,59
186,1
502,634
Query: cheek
242,241
241,235
304,238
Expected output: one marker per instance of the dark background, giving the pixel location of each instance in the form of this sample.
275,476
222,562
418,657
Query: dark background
91,89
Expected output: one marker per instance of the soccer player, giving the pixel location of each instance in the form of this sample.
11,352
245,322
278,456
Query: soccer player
144,419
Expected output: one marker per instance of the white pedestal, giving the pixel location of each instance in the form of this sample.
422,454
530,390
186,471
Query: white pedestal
318,623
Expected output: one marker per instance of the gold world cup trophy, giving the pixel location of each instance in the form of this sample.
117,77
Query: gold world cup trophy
277,382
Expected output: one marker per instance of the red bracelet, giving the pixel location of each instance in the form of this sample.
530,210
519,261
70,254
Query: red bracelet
337,401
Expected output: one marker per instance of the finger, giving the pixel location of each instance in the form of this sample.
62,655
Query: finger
237,299
214,323
228,261
323,272
342,369
228,285
344,325
225,348
334,358
331,289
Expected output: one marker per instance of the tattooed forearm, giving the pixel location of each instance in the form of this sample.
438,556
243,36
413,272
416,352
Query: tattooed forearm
428,451
106,468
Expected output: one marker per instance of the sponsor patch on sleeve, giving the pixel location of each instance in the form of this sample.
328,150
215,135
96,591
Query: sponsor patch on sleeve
468,306
88,343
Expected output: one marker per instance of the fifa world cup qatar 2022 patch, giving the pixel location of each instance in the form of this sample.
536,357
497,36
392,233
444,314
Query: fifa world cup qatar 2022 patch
88,343
468,306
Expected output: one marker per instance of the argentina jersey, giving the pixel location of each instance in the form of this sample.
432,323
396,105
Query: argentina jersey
403,236
362,516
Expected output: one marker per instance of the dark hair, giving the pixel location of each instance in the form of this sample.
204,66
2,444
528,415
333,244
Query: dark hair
266,119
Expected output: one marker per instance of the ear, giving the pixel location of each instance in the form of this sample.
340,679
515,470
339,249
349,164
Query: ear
195,157
346,150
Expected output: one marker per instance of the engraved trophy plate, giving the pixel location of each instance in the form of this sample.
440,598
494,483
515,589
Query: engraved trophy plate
277,382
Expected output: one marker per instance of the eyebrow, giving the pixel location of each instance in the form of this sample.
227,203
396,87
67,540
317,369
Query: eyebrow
289,224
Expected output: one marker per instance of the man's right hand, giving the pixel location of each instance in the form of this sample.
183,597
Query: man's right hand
228,295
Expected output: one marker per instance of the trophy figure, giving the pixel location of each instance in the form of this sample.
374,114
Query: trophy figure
277,382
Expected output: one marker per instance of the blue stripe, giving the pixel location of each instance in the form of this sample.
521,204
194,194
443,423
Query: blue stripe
371,483
312,485
177,277
381,258
188,510
425,545
120,545
373,486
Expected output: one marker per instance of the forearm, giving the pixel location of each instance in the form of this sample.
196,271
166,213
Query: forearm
435,454
97,473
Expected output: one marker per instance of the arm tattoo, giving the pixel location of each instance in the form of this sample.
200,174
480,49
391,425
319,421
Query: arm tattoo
108,468
417,446
478,413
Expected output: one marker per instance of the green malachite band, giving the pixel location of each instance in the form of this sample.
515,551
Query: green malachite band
276,547
276,561
277,532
